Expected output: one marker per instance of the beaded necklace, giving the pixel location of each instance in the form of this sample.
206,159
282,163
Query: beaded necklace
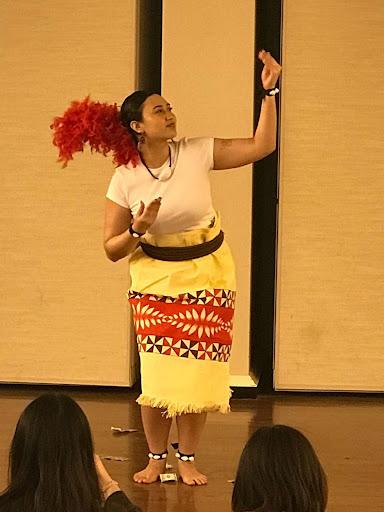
151,173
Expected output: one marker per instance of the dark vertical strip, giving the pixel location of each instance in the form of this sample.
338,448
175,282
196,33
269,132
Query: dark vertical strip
149,30
264,208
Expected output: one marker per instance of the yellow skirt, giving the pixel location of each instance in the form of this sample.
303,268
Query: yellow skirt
183,317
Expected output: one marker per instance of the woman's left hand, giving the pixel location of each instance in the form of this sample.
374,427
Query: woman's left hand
271,70
102,473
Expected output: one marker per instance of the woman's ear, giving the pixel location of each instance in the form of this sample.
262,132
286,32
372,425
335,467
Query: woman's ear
135,125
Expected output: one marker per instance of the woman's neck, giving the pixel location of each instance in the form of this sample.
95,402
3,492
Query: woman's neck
155,153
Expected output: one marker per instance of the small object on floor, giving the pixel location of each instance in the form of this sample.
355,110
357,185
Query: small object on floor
112,457
168,477
230,481
168,466
119,430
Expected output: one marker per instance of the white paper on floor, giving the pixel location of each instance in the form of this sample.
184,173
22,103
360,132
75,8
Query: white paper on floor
119,430
112,457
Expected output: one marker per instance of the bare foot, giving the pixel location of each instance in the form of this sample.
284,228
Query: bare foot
151,473
190,475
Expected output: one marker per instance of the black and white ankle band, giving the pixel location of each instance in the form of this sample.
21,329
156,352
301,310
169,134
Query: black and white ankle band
158,456
185,457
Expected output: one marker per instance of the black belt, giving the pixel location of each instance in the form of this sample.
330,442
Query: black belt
183,253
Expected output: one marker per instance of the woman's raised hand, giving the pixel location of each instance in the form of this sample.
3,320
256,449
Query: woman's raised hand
271,70
146,215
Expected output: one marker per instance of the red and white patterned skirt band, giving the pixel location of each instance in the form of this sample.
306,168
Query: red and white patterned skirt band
194,325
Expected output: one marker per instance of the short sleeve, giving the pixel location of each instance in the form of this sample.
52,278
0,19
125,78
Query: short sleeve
204,147
208,143
117,190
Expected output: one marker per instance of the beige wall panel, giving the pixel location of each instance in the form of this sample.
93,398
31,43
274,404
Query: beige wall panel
330,308
208,66
63,313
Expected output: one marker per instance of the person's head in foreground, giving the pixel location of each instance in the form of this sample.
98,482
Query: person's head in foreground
279,472
51,460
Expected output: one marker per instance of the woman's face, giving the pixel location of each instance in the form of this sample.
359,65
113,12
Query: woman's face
158,121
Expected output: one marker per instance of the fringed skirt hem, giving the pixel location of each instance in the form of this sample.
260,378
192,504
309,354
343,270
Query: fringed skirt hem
172,409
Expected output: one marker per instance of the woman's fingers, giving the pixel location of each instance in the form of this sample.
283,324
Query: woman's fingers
141,208
265,56
146,215
262,56
155,204
271,70
267,59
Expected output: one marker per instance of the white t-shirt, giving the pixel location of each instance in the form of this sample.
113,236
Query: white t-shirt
186,196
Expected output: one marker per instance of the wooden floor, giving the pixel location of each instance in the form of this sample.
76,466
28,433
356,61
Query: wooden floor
347,432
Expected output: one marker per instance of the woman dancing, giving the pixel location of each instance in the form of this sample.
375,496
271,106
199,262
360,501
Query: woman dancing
160,214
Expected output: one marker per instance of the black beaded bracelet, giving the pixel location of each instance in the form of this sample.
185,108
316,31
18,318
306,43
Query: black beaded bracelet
270,92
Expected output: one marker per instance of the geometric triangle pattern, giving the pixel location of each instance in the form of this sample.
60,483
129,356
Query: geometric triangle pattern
184,348
215,297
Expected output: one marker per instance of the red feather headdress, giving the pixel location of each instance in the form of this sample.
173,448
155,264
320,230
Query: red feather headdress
97,124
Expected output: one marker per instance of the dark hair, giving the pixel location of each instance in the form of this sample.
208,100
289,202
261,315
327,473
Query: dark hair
51,460
132,109
279,472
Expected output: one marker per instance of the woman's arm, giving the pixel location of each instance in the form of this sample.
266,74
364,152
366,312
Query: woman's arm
107,485
118,241
114,499
230,153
